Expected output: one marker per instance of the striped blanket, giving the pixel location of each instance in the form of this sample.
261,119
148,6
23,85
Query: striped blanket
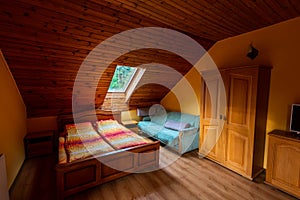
83,141
119,136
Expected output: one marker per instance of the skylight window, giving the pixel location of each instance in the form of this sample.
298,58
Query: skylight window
121,79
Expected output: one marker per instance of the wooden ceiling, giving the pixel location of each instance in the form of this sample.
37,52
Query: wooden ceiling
45,42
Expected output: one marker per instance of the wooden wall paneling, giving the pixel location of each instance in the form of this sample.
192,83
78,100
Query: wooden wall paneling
50,39
150,93
53,23
158,12
236,11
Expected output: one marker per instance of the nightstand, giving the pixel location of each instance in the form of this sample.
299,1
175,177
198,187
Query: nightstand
129,123
39,143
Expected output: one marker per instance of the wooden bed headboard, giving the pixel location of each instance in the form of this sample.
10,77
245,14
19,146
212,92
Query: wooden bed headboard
86,116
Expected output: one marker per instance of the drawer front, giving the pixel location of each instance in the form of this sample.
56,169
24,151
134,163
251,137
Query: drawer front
42,148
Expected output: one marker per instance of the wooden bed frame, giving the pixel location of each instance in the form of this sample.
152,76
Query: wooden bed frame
89,172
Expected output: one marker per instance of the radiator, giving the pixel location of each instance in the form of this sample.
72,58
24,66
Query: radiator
3,179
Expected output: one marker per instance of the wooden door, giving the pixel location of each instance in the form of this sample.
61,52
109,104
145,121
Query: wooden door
212,110
239,130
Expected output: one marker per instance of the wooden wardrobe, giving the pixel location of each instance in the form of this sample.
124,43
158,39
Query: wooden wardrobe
233,126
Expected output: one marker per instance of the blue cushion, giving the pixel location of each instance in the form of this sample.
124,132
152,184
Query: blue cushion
159,119
150,128
193,120
147,118
167,136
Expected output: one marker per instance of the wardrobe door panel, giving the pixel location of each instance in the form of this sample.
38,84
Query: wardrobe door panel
237,150
211,144
239,128
239,100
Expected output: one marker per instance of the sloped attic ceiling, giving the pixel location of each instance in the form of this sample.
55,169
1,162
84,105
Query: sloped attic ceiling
45,42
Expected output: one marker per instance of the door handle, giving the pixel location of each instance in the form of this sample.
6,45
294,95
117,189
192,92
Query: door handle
223,117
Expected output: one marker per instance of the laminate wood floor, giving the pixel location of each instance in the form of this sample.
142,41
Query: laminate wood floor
190,177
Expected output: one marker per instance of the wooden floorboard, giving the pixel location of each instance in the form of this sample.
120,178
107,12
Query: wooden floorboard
189,177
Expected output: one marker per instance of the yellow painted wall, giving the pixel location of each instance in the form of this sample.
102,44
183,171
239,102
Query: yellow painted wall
170,102
185,96
12,122
129,115
279,47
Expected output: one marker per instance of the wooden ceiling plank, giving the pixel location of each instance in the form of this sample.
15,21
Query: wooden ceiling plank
16,64
218,15
295,5
233,18
240,11
272,10
57,37
33,50
283,8
70,54
261,11
197,23
52,54
205,42
18,61
201,17
45,42
12,40
118,12
73,10
26,34
42,19
205,15
44,74
165,10
179,5
148,11
88,27
46,16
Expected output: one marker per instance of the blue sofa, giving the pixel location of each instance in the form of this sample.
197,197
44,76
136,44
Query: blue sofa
177,130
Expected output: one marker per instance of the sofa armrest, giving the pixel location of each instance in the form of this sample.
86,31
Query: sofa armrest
185,131
188,138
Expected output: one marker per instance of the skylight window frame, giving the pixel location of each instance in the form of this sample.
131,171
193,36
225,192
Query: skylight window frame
128,82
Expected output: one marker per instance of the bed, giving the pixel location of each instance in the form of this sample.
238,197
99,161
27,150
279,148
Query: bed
95,152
